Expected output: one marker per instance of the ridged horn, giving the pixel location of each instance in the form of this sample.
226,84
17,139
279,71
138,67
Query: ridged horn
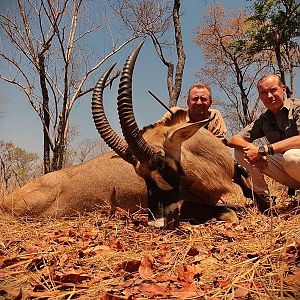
110,137
140,148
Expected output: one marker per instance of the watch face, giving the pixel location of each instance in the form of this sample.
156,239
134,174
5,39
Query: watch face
262,150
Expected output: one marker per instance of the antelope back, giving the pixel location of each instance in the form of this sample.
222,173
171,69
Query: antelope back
104,181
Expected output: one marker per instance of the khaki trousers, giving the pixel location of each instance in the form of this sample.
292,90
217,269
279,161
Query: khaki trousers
284,168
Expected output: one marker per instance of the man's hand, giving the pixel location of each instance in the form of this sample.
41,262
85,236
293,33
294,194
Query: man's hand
254,158
251,153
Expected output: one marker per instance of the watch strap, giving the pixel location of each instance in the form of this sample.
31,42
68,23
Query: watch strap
270,149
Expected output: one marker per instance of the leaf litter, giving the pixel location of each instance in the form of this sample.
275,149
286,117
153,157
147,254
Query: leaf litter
97,256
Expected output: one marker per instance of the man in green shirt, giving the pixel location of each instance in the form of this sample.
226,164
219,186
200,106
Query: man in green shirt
279,156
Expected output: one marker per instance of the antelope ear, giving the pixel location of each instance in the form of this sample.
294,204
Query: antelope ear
184,132
180,134
161,183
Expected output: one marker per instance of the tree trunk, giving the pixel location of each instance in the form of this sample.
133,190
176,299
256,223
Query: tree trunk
46,114
175,88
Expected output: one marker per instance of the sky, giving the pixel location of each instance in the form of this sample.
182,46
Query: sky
20,124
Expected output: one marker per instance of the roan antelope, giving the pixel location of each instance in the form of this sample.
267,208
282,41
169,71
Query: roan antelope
161,168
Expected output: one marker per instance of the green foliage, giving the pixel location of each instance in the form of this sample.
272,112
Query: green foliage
274,23
238,45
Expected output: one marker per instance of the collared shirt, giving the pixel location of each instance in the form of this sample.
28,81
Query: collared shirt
275,128
181,115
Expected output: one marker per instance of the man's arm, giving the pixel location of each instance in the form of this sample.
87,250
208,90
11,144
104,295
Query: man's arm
250,150
237,141
287,144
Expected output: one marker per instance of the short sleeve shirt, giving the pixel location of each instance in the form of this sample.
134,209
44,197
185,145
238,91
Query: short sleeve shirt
180,115
286,124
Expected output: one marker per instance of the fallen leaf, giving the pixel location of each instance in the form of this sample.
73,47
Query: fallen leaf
188,291
167,277
102,275
222,282
293,280
64,240
8,262
33,250
146,267
193,251
131,266
119,246
240,292
208,261
128,283
152,290
188,273
96,250
91,234
16,293
71,278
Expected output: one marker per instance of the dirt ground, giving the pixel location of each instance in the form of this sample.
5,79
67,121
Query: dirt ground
97,256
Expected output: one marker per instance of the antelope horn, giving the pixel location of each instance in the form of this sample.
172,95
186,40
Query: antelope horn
110,137
142,151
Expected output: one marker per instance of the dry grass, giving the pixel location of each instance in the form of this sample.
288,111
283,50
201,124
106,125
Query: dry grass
98,257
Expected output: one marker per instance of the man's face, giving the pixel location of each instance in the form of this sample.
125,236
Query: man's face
199,101
271,94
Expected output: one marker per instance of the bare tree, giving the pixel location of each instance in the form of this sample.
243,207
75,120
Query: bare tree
16,166
85,150
154,19
44,46
81,150
227,63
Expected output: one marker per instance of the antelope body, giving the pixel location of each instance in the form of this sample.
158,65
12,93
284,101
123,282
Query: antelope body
160,168
105,180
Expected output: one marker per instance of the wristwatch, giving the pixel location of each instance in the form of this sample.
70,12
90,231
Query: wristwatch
262,150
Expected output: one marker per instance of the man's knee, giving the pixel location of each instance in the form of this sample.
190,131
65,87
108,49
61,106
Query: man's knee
291,163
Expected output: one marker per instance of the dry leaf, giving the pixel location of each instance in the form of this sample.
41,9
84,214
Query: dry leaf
188,291
33,250
188,273
71,278
167,277
222,282
8,262
64,240
193,251
146,267
152,289
131,266
90,234
293,280
96,250
119,246
240,292
8,293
